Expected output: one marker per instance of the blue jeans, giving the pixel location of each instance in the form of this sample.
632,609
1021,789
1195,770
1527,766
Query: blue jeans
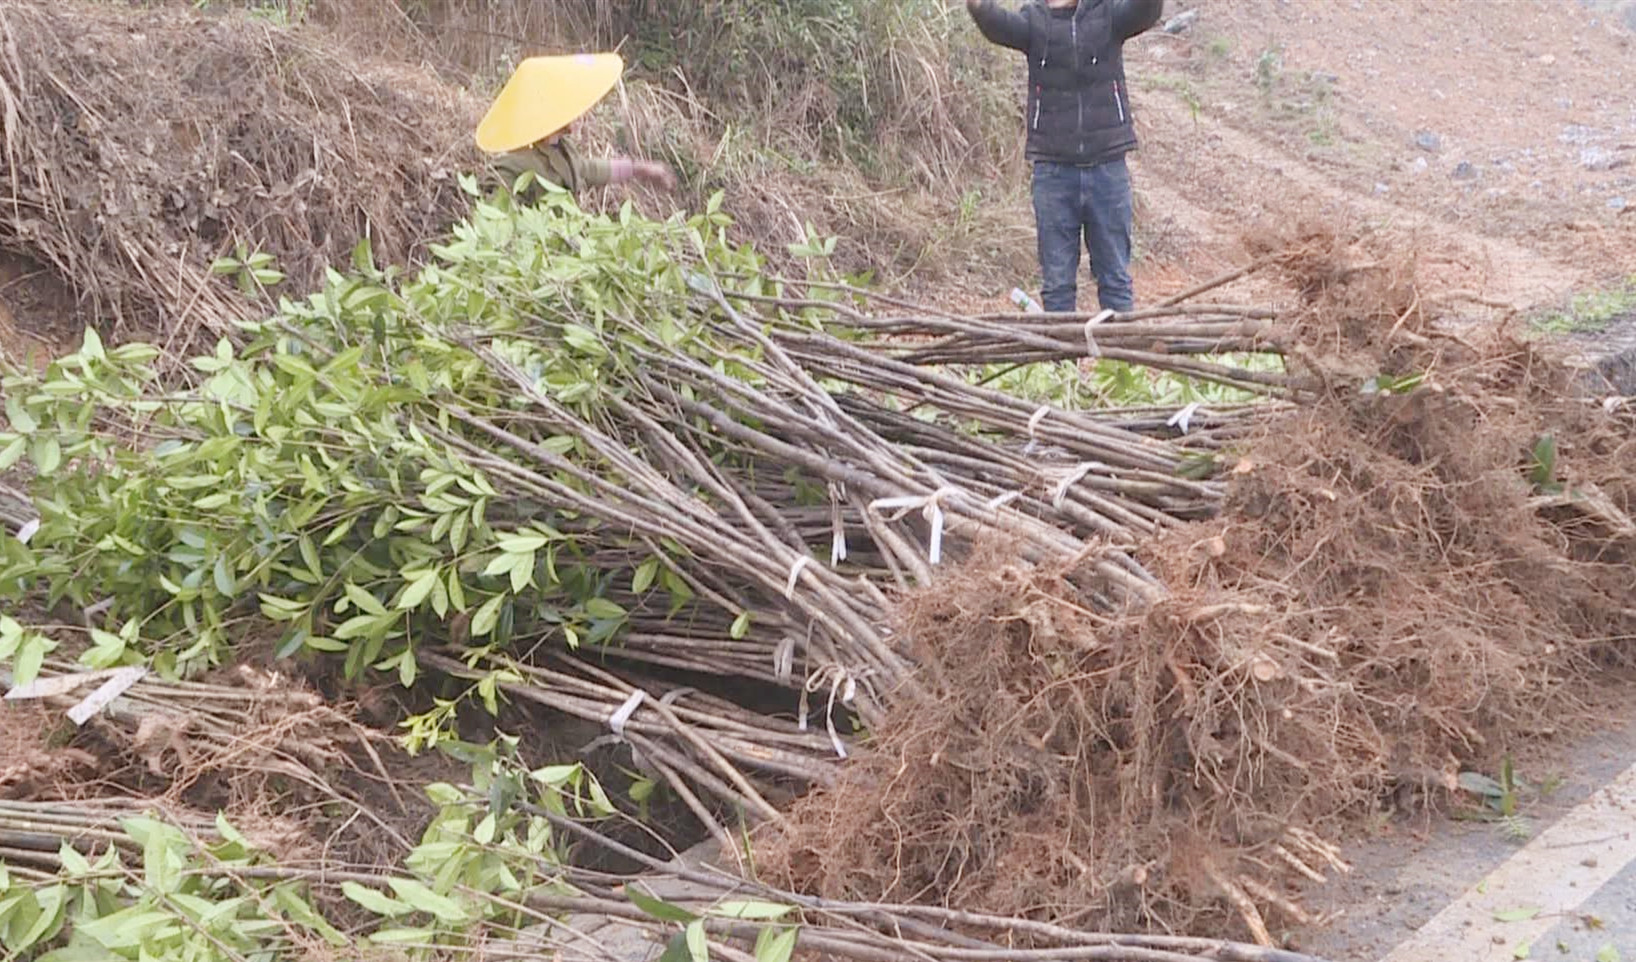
1092,203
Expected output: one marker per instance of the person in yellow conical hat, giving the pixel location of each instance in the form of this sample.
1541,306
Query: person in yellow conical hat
525,126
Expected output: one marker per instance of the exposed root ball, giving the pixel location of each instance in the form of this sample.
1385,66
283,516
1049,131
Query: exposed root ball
1404,582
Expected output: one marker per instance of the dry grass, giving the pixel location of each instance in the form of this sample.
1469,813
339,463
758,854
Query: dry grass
892,126
141,145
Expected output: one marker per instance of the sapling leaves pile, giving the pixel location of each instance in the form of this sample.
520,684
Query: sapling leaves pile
575,430
584,461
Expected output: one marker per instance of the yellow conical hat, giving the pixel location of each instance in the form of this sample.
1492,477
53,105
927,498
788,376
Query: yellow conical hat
544,95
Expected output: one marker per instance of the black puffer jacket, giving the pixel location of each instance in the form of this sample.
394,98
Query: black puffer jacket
1078,105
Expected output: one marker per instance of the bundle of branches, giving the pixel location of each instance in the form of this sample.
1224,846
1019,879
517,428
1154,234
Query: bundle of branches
38,840
133,158
565,430
234,745
111,879
1413,572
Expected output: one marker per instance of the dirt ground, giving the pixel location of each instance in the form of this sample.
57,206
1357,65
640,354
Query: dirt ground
1504,144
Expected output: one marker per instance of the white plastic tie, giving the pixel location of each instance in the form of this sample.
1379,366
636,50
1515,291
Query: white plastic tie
623,714
105,694
795,572
670,697
28,530
1035,419
837,529
930,506
934,550
1091,347
1184,418
1001,500
840,683
1070,479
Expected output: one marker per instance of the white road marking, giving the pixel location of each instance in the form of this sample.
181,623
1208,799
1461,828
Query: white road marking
1555,873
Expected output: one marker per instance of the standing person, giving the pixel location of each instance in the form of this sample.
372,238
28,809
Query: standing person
525,126
1079,130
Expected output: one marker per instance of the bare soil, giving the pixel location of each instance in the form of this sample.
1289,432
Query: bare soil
1263,105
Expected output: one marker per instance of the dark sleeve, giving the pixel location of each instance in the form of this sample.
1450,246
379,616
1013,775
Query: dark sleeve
1131,17
1004,27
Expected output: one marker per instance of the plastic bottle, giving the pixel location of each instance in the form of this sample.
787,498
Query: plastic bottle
1020,298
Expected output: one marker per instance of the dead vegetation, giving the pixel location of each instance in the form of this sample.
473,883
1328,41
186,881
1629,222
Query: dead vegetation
141,145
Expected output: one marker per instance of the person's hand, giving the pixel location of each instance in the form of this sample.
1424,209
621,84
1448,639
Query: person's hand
657,174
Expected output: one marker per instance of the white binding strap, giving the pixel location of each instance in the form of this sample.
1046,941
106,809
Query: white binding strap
837,528
623,714
1070,479
1091,347
930,505
1035,419
1001,500
795,572
1184,418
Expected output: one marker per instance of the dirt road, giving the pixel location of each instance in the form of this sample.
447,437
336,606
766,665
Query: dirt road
1497,136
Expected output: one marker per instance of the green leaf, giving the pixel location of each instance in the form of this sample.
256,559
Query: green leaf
47,454
522,543
31,652
309,556
522,571
358,626
72,861
1522,951
698,947
92,346
418,589
756,911
402,936
1544,468
21,420
364,599
1522,914
378,902
741,626
500,564
604,609
676,949
776,947
12,453
642,580
223,576
425,900
456,590
1607,953
659,909
487,616
484,832
282,609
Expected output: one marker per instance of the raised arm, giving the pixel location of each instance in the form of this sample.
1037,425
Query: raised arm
1131,17
1004,27
595,172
